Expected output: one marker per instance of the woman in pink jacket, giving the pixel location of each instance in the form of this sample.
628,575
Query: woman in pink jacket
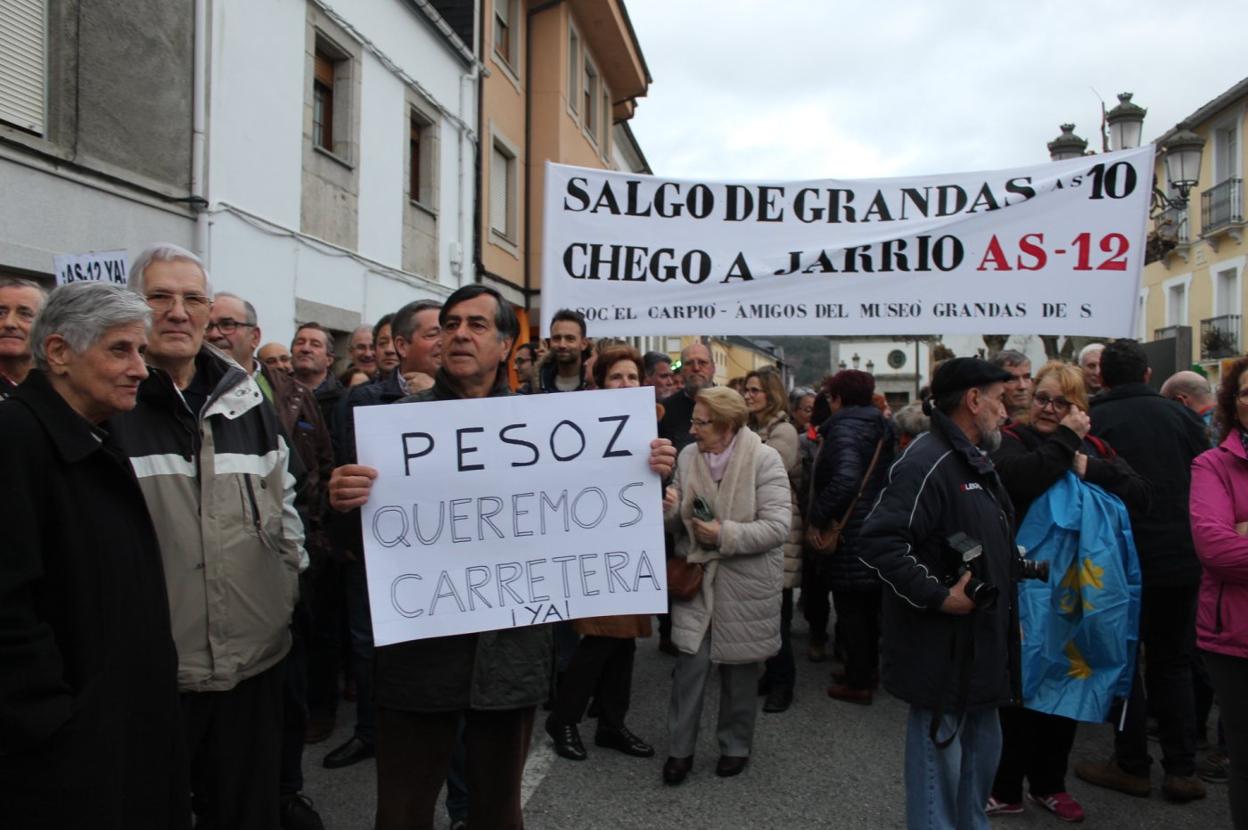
1219,503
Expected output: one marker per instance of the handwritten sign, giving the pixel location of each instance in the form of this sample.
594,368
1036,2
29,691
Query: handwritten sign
97,266
501,512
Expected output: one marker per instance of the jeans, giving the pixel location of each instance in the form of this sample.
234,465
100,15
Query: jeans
948,788
1167,616
361,627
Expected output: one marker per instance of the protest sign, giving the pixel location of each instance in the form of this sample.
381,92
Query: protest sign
500,512
1051,249
97,266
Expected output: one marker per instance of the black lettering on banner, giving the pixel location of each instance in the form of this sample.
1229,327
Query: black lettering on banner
645,571
576,188
631,503
617,560
445,589
475,585
564,561
554,506
416,523
611,452
408,455
520,442
458,517
516,513
601,515
586,574
555,432
504,582
461,450
531,569
484,516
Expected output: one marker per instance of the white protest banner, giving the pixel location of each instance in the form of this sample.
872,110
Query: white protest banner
97,266
500,512
1055,248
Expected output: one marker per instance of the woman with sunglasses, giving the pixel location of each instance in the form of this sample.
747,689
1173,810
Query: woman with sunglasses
1035,453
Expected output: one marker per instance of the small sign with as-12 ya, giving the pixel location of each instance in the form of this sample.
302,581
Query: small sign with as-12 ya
97,266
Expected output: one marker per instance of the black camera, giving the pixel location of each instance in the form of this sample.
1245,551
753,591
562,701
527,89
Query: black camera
965,553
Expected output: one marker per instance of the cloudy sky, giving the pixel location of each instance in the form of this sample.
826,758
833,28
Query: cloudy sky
803,89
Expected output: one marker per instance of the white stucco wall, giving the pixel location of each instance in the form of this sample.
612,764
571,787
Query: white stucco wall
255,150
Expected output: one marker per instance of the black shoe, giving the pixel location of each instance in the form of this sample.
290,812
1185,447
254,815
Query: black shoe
352,752
779,699
730,765
625,741
297,813
567,739
675,770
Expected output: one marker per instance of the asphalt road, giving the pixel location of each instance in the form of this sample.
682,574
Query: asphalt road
822,764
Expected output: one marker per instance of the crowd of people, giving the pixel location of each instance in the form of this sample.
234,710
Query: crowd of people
185,604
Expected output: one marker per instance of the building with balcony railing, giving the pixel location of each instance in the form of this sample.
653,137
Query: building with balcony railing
1198,283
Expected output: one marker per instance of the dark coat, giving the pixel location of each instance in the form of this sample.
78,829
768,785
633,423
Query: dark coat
677,418
1159,439
1030,462
90,729
943,484
546,379
509,668
849,439
305,427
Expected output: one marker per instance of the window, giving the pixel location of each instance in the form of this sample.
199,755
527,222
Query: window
415,132
503,192
506,40
606,123
574,75
323,102
1176,304
589,111
22,69
1225,153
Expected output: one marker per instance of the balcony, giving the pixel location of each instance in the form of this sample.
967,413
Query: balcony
1171,225
1222,211
1219,337
1167,333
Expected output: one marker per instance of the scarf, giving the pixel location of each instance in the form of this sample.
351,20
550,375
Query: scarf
717,462
731,499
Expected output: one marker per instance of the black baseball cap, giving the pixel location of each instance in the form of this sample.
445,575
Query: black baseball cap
966,373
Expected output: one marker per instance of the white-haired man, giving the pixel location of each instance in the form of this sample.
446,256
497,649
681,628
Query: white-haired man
1090,363
20,301
214,468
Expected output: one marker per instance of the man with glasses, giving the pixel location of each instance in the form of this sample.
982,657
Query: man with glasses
1018,389
697,371
214,468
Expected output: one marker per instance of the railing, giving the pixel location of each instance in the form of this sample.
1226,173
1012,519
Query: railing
1166,333
1172,226
1222,205
1219,337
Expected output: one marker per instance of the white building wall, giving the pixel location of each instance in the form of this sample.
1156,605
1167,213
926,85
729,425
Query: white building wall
255,150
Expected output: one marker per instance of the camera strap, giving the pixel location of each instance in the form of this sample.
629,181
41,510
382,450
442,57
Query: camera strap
964,659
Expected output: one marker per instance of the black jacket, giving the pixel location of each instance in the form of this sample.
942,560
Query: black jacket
546,379
1159,439
677,418
943,484
849,440
90,730
506,669
1030,462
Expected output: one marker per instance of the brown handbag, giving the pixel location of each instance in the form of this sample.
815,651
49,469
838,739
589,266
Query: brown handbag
825,542
684,578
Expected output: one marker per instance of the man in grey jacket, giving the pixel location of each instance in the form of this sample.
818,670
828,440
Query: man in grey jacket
493,680
213,465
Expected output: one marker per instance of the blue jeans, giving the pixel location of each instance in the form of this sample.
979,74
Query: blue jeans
949,787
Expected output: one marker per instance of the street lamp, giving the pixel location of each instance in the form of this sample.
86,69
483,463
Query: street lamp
1067,145
1126,123
1182,161
856,359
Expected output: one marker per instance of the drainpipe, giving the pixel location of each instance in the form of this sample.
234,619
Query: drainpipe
199,130
528,143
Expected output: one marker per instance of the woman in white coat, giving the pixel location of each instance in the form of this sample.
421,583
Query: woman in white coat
741,488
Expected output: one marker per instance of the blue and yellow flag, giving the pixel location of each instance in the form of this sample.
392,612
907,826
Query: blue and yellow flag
1081,628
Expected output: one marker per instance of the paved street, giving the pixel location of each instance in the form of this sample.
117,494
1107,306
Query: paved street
822,764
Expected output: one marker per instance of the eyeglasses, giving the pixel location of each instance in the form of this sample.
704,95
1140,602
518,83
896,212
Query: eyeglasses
749,391
226,324
163,301
700,423
1043,401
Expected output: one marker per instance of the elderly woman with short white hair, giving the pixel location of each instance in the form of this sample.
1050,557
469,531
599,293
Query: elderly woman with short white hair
729,511
90,726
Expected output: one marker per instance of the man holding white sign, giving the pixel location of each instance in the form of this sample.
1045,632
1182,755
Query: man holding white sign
494,679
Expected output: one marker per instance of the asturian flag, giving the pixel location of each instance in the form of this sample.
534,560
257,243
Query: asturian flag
1081,628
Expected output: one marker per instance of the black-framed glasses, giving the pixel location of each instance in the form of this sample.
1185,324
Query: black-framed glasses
1044,401
228,325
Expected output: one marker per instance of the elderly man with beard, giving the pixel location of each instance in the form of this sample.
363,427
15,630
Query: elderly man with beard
20,301
950,654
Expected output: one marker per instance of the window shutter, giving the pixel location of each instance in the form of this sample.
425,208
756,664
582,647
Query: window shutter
22,63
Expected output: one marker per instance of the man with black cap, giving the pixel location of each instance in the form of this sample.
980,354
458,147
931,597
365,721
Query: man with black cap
941,538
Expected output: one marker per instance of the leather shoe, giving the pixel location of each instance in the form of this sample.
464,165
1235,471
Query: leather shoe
352,752
297,813
841,678
567,739
779,699
849,695
625,741
676,769
730,765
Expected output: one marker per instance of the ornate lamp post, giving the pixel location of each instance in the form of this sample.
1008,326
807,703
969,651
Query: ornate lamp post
1067,145
1126,123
